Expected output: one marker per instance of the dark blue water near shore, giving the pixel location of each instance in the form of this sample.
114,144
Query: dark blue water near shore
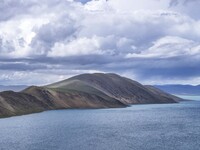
140,127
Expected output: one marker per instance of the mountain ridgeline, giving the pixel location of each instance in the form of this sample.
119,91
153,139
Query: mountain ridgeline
180,89
83,91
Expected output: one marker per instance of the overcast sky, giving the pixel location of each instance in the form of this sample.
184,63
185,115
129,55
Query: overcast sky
151,41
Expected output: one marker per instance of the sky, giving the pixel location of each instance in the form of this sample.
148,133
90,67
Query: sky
151,41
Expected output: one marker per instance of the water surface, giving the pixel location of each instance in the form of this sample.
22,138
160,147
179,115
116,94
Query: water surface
191,97
140,127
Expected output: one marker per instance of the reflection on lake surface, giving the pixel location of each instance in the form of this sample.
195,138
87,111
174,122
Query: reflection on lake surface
140,127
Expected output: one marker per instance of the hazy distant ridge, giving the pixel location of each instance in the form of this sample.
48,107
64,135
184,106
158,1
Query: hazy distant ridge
15,88
180,89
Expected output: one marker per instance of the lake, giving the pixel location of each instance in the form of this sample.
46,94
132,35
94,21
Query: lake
140,127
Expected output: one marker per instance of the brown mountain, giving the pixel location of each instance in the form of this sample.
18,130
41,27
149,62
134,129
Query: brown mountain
83,91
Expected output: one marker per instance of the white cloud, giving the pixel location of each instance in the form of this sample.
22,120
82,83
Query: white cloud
81,46
168,46
120,33
133,5
55,33
41,77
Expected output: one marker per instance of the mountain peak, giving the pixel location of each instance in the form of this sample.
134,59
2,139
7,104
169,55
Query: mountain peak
123,89
97,90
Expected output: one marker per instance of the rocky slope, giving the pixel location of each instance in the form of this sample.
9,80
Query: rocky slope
82,91
123,89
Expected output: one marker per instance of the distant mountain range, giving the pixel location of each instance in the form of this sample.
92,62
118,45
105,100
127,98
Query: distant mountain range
181,89
83,91
15,88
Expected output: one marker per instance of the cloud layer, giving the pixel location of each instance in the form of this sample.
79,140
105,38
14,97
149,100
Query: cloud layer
155,42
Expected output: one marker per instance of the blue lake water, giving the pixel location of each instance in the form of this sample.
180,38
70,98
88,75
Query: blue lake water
140,127
194,97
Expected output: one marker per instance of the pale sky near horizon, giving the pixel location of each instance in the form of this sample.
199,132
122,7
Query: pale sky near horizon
151,41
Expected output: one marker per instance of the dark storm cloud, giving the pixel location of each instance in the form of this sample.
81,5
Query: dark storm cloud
21,66
179,68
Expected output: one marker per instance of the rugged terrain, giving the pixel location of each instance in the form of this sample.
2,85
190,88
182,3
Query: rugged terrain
83,91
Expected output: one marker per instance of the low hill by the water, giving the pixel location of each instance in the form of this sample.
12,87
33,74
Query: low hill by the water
82,91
